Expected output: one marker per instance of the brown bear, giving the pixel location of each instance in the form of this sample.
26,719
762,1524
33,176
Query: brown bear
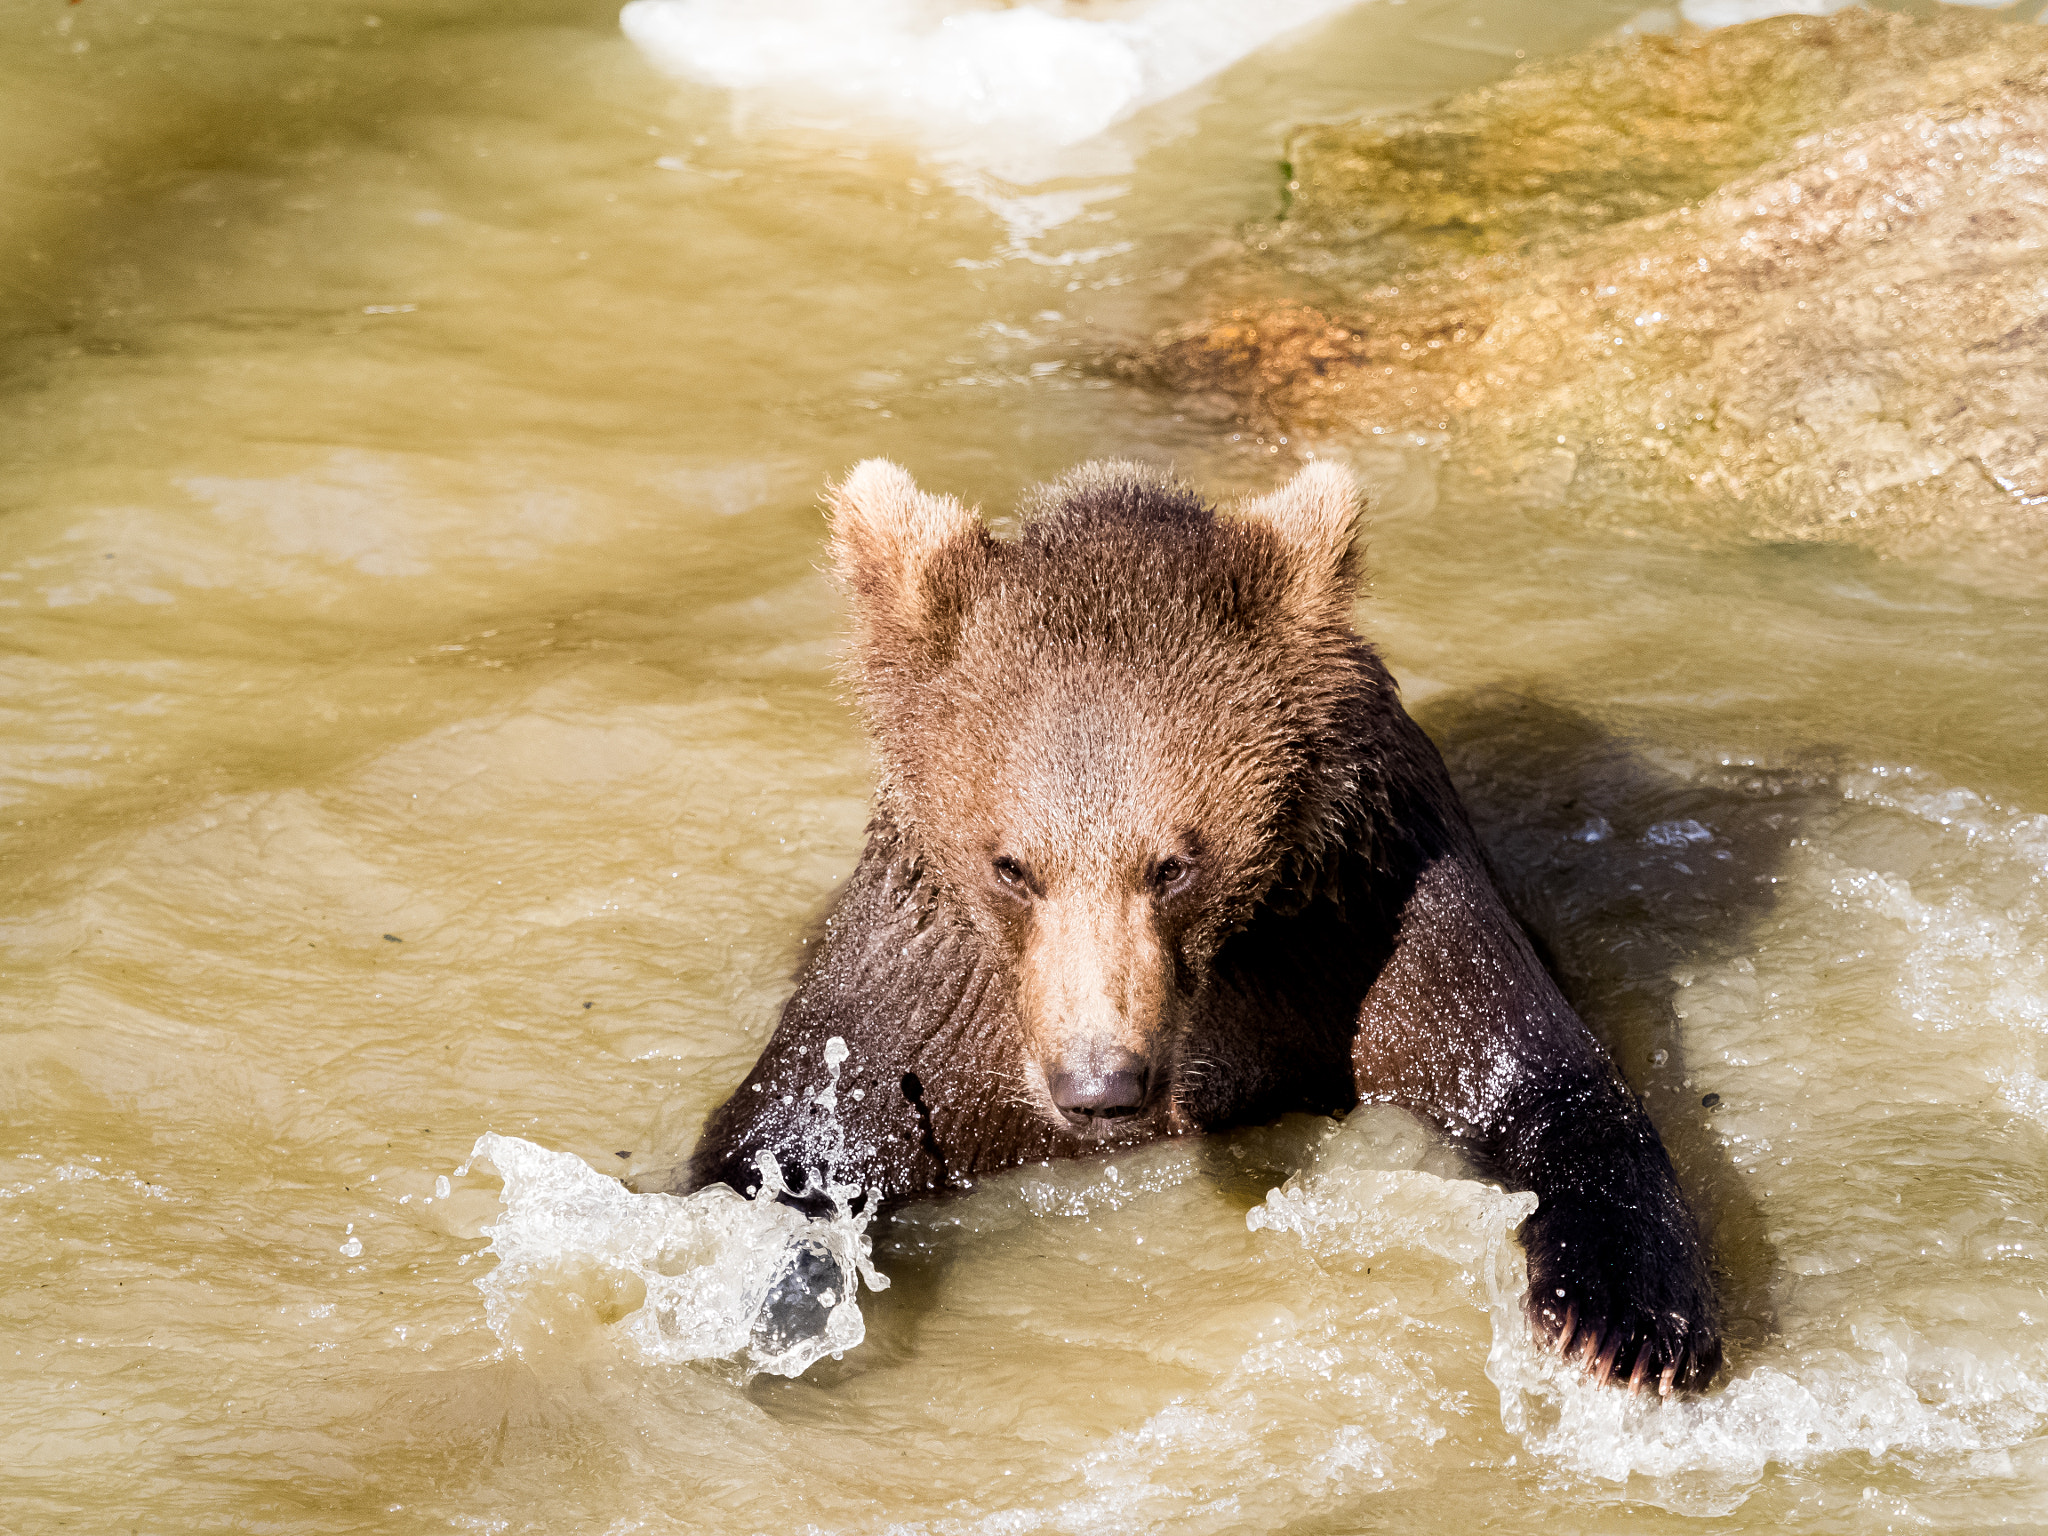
1155,849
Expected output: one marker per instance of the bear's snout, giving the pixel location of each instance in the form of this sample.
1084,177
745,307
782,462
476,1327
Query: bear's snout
1095,1003
1096,1092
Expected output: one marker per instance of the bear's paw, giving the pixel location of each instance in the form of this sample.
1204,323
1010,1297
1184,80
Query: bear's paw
1624,1290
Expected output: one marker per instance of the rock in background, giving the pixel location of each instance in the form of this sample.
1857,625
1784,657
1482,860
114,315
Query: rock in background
1788,280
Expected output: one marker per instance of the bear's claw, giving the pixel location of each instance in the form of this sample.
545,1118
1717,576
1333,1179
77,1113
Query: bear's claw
1618,1282
1630,1352
1623,1361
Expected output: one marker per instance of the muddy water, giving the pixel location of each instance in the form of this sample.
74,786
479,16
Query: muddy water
420,726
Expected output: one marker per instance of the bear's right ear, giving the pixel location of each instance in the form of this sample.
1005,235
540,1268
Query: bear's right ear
898,551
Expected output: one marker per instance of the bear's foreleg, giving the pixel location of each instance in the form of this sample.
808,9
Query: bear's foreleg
1618,1275
1465,1027
924,1099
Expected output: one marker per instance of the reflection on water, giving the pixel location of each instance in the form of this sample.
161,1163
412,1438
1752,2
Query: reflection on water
421,727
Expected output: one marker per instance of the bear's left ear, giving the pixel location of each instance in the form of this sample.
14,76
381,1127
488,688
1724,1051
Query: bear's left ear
1316,517
897,550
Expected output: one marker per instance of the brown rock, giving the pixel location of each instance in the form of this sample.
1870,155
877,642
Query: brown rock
1788,280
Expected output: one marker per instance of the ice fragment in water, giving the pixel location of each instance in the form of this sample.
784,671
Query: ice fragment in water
712,1275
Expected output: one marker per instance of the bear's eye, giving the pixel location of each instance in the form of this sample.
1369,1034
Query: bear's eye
1171,873
1009,871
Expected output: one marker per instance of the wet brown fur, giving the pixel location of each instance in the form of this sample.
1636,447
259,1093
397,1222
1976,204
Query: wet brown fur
1146,797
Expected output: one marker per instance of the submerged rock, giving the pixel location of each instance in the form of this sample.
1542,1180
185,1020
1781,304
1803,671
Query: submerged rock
1789,279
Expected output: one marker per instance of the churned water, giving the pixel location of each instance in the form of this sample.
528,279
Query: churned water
423,758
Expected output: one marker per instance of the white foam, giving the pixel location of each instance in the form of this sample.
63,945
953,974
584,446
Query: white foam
974,83
1950,933
1891,1390
688,1276
1977,926
1677,834
1383,1182
1883,1397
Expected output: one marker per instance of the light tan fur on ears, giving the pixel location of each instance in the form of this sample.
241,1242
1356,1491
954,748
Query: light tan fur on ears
885,532
1316,516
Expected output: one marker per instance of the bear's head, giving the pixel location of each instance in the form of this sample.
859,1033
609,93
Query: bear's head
1108,741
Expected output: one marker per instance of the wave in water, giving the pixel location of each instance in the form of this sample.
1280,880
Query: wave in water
1894,1390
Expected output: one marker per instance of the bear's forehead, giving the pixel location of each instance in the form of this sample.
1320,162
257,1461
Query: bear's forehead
1111,690
1143,717
1136,649
1053,769
1058,708
1146,586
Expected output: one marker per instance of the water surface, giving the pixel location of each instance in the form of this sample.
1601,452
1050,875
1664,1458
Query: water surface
421,724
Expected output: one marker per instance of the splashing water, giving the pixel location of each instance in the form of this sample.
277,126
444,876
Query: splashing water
1380,1185
711,1275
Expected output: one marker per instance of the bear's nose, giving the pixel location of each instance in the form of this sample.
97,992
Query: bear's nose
1101,1091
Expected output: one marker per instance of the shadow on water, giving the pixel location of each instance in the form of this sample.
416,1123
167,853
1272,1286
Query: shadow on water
1637,879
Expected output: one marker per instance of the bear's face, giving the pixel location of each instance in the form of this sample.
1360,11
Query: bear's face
1107,740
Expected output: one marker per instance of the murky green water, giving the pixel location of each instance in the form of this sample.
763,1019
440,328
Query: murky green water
420,723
